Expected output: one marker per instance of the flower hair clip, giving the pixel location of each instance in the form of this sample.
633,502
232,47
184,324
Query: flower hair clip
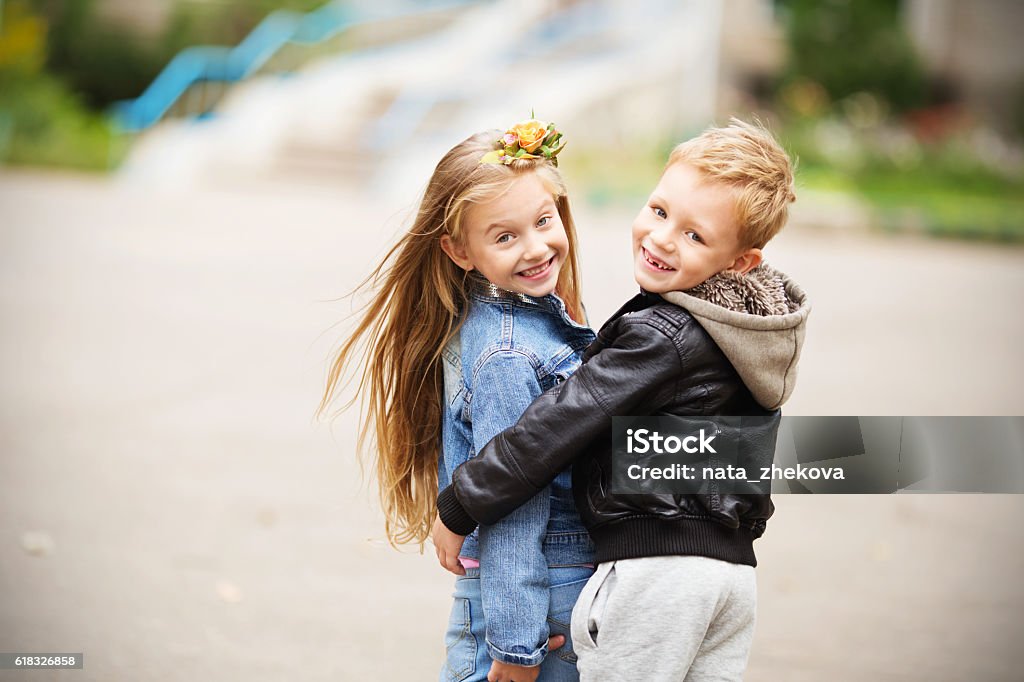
530,139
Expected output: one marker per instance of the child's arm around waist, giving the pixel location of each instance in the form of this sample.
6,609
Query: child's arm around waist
641,361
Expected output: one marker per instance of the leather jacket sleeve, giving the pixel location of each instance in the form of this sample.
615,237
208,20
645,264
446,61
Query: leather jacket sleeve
634,373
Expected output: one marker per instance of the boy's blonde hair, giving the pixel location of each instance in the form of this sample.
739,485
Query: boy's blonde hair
748,158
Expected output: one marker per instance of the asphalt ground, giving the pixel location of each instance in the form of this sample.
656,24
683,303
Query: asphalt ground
171,509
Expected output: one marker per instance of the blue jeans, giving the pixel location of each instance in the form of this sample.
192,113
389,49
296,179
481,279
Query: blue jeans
467,659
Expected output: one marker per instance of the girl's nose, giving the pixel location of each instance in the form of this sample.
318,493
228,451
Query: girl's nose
534,248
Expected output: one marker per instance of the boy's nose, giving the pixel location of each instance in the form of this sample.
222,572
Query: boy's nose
663,239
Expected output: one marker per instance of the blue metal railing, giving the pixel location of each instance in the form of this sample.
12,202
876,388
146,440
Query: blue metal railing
210,63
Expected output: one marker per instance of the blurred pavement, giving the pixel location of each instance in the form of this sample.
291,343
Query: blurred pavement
170,509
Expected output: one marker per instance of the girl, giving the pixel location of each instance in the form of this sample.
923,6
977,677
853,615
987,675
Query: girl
478,311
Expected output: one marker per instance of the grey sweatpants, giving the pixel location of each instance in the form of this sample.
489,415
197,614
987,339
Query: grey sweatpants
665,619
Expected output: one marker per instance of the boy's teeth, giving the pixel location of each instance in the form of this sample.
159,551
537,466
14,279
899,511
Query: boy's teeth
650,259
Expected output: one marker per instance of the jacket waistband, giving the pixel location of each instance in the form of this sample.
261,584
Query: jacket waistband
643,536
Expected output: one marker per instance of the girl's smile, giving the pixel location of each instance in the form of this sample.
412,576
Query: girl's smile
540,272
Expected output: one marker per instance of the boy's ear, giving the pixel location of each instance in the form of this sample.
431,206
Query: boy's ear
456,252
747,261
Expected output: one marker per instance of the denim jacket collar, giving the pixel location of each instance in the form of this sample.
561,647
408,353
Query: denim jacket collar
483,289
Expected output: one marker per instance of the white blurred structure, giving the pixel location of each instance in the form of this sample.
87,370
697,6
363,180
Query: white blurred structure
599,68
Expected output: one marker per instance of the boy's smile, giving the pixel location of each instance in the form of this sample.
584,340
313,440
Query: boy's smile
687,232
656,263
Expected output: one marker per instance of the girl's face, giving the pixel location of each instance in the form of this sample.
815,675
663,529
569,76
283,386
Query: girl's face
516,240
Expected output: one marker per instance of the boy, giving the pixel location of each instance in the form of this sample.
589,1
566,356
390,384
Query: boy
713,332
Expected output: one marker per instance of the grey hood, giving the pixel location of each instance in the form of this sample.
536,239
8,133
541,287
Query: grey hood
758,320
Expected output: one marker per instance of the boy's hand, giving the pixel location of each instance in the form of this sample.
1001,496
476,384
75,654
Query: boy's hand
448,545
505,672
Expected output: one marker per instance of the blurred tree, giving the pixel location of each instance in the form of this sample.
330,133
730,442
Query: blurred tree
41,121
22,41
106,61
102,62
62,63
1018,113
851,46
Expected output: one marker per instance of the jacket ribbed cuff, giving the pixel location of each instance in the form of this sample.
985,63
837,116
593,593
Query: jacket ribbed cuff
452,513
527,660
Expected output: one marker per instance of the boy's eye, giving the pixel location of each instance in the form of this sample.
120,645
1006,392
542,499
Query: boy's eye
694,236
504,239
659,212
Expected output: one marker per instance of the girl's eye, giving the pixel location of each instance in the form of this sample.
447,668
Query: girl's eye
694,236
504,239
543,221
659,212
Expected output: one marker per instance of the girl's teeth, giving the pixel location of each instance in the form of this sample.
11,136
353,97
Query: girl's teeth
534,271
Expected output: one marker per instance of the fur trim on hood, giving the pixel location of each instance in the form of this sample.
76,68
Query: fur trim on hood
758,319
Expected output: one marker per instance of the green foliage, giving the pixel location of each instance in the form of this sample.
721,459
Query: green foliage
948,188
106,62
41,121
22,41
42,124
851,46
102,61
888,159
1018,112
852,68
61,66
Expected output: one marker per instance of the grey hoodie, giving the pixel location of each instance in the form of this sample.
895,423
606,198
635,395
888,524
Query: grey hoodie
758,320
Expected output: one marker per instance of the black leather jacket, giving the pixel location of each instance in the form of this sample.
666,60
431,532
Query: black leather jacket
650,358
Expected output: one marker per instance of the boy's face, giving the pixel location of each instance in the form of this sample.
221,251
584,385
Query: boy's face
687,232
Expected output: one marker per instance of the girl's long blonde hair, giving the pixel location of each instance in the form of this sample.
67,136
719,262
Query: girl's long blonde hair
418,305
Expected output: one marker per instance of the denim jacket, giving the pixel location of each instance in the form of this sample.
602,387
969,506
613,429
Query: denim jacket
512,347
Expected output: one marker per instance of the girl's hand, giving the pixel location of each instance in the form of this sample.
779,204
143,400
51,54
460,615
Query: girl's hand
448,545
505,672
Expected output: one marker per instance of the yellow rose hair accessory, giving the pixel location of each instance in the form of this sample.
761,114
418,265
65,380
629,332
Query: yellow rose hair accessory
530,139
